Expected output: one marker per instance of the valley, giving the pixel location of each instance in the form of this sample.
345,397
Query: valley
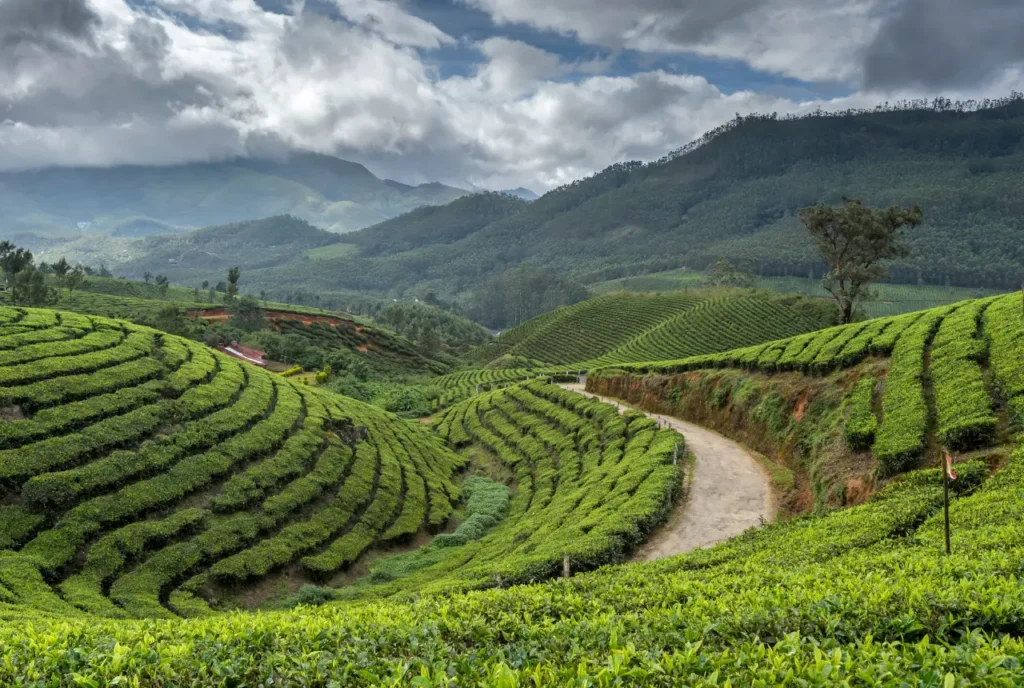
750,413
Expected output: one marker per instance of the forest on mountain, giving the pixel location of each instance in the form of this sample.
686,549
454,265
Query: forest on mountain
735,193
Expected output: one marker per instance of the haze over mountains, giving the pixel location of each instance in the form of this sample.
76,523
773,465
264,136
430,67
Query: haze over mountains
134,201
736,194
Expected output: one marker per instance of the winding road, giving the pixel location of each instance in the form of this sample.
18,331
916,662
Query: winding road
728,491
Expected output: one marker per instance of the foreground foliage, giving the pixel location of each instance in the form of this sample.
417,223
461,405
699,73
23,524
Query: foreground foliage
859,597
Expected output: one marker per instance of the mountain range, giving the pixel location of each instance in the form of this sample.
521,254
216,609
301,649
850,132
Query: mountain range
132,201
736,193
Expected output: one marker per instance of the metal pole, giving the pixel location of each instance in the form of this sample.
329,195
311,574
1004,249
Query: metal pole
945,497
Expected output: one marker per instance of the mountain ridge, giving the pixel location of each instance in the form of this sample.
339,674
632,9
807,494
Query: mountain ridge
329,192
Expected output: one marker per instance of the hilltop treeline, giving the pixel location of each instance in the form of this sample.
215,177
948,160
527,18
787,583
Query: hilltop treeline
735,193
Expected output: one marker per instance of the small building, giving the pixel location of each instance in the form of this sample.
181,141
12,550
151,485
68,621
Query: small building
244,353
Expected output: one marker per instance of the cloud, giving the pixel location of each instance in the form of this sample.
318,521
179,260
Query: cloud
103,82
946,43
393,23
816,41
30,28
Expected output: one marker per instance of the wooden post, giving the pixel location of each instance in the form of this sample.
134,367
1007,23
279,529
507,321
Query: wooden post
675,454
566,570
945,497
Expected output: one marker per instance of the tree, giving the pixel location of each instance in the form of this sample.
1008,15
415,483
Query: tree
854,240
74,280
263,297
233,274
163,284
429,340
61,269
147,276
13,260
724,274
30,288
247,315
171,319
104,272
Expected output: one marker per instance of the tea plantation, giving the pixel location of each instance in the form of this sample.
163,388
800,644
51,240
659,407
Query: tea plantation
962,359
143,474
137,467
642,327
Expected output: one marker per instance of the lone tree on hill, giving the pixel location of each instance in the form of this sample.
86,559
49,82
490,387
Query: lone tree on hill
163,284
233,274
853,240
74,280
61,269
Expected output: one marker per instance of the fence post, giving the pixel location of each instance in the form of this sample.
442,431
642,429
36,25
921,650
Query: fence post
566,570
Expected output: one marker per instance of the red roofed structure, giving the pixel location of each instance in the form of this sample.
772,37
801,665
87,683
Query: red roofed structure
244,353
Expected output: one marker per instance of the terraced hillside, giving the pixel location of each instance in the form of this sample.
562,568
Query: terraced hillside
384,347
715,324
890,299
379,346
953,376
590,484
858,596
862,596
641,327
137,468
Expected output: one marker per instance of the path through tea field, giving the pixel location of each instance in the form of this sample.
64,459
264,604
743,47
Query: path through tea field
728,491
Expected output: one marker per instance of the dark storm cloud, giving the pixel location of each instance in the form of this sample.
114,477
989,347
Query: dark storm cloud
27,18
49,25
99,85
946,43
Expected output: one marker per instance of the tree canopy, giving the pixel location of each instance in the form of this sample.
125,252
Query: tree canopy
854,240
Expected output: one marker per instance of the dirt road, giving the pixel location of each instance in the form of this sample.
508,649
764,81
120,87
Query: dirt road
728,491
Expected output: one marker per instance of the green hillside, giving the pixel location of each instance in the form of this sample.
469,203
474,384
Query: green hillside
890,299
646,326
734,194
953,378
120,440
145,475
140,470
134,201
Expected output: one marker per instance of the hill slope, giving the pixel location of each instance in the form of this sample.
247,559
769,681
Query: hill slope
737,195
858,596
119,439
646,326
126,200
953,377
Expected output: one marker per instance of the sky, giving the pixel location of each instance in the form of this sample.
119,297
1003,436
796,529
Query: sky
492,93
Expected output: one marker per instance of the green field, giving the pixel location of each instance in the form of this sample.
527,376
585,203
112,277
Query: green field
888,299
647,326
146,476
